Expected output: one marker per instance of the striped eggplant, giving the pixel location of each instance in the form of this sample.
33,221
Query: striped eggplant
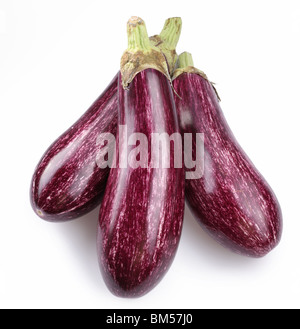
142,210
68,181
231,200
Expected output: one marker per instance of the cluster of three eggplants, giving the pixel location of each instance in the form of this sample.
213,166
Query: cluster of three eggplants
231,200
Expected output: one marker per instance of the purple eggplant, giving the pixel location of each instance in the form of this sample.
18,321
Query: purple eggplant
141,214
68,181
231,200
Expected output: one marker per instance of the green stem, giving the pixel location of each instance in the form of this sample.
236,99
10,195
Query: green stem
137,35
141,53
171,32
185,59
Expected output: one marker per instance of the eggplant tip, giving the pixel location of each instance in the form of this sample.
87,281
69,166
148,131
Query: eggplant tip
39,212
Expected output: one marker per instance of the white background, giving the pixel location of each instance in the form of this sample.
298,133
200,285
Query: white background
56,57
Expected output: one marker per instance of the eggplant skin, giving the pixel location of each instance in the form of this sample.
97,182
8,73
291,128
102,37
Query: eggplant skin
141,214
67,182
232,200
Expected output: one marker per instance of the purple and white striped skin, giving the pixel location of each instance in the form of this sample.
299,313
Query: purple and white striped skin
232,201
142,210
67,182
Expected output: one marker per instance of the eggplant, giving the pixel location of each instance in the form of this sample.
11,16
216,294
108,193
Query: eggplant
141,214
68,182
231,199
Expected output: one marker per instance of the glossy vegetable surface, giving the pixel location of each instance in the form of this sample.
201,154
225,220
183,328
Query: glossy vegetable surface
232,200
68,182
142,211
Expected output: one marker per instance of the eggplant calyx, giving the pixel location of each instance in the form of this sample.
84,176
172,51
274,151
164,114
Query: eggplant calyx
141,54
185,64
